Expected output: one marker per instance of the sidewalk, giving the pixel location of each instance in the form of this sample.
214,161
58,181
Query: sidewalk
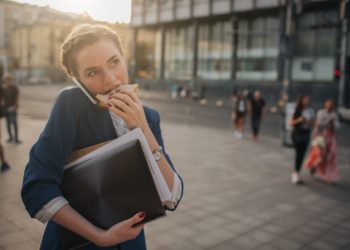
271,124
238,195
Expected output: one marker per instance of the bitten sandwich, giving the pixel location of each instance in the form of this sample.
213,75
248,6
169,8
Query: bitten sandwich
103,99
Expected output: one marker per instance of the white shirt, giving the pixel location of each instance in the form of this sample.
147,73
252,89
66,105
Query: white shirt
50,208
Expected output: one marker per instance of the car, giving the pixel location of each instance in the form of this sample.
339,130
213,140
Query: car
344,114
36,80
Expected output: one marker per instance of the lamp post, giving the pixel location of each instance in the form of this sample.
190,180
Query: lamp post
286,52
344,9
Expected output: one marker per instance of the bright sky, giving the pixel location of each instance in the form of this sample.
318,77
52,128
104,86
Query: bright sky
103,10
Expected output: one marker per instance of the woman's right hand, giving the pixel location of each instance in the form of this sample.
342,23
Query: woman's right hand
123,231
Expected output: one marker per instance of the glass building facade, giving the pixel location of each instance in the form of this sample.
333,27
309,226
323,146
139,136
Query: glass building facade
242,44
315,46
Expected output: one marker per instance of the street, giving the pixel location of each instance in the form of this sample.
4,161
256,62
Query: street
238,193
173,111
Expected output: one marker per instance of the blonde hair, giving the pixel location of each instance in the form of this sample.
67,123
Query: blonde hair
81,36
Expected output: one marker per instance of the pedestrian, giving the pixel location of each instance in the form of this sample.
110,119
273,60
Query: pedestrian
173,91
4,165
11,100
184,92
322,160
93,55
302,121
257,110
203,92
240,112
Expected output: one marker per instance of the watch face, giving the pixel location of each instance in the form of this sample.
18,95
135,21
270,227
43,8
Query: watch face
157,155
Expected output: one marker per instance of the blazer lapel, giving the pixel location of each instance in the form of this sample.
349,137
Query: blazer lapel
92,117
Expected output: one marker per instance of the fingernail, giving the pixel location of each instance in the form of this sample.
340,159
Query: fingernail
142,214
109,105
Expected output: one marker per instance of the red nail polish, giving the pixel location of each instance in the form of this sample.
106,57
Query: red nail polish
109,105
142,214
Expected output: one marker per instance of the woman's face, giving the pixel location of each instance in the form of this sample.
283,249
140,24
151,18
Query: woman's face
328,105
101,67
305,101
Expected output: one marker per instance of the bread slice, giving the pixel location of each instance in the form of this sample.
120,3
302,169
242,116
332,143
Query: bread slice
103,99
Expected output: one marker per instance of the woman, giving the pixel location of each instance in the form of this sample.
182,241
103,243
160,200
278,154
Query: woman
93,55
257,110
11,100
239,116
322,159
302,122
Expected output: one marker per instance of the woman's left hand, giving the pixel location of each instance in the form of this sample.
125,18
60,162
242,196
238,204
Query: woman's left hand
128,106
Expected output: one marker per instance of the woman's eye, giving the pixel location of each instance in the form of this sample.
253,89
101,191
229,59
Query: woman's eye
92,73
115,62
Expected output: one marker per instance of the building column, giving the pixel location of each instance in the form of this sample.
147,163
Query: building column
283,50
343,52
162,53
134,52
286,45
195,26
234,25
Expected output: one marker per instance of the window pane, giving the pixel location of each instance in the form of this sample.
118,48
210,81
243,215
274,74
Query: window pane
326,42
257,33
305,43
303,68
213,51
178,53
258,48
307,21
242,38
324,68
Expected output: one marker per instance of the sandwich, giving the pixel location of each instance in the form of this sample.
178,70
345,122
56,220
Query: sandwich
103,99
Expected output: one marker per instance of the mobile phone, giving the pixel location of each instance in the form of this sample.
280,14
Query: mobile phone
85,91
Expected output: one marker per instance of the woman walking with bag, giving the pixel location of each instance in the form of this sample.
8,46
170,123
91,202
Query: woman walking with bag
322,160
302,122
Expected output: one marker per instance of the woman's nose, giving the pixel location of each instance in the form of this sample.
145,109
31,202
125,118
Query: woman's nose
110,79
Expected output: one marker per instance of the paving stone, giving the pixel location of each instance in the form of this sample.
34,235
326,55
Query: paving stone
263,236
183,244
246,242
336,240
299,236
210,238
237,228
284,243
323,245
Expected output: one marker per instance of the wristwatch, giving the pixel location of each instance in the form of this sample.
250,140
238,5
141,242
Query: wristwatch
157,153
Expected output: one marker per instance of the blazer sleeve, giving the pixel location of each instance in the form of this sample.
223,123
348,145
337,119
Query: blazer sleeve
44,171
158,135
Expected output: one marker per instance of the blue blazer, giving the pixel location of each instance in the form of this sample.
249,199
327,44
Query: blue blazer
74,123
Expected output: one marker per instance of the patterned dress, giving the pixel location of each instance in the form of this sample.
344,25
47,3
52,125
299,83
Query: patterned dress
322,157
